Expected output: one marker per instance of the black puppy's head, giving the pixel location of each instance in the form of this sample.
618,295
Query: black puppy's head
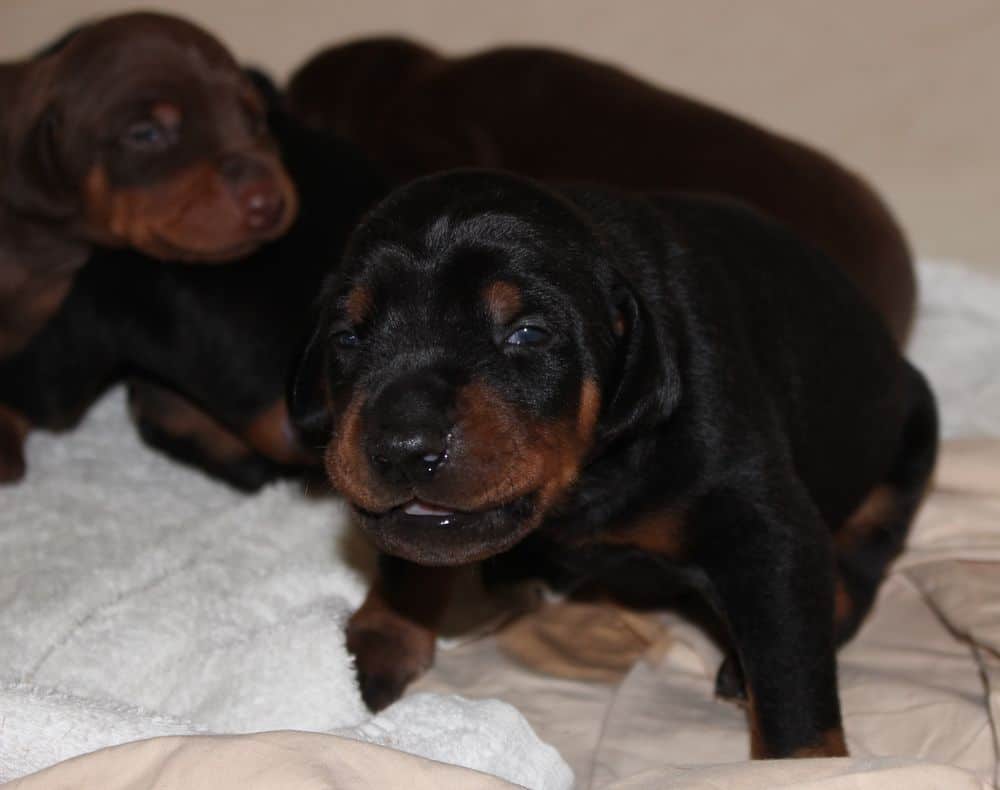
473,352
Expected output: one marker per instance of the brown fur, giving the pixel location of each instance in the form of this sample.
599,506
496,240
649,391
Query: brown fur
359,305
271,434
843,606
393,635
13,430
498,456
31,303
659,533
418,112
503,301
832,745
181,419
191,216
874,511
56,194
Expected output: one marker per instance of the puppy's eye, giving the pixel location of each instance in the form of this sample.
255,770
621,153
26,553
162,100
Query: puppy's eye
346,339
527,336
146,136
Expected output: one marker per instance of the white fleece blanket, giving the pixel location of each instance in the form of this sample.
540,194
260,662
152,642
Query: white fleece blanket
139,599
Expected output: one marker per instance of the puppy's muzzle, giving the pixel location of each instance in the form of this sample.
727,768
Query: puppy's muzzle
254,185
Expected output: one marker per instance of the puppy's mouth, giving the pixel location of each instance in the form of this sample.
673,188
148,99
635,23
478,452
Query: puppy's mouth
415,507
432,534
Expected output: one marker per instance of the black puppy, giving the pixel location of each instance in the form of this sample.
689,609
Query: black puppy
210,348
649,390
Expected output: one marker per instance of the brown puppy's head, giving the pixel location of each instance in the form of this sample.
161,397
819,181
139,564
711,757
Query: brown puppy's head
473,354
142,131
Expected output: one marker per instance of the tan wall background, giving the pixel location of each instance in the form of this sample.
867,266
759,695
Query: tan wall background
905,91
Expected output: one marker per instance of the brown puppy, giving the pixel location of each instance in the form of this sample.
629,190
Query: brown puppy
560,117
140,130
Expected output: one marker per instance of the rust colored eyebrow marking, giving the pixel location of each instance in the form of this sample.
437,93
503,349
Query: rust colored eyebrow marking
503,300
359,304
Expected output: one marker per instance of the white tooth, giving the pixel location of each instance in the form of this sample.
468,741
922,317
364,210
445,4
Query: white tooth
416,508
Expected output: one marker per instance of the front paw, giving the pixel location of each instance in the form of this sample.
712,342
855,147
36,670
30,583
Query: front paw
12,432
389,653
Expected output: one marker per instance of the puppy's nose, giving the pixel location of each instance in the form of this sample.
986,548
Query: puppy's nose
407,433
413,455
252,184
263,207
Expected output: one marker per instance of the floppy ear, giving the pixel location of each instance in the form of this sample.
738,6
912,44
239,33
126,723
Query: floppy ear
306,393
645,385
36,181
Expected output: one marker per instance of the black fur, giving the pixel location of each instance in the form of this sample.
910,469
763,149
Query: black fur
750,402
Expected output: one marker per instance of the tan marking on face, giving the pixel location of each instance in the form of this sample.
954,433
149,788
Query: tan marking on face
359,304
346,463
832,744
193,215
506,455
271,434
498,456
502,300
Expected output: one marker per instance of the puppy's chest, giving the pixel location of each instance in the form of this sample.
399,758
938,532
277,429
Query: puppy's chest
26,303
661,533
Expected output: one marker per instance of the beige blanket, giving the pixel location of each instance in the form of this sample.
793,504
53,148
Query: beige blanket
921,680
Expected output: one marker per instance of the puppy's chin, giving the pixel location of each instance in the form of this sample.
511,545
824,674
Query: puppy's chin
163,248
428,536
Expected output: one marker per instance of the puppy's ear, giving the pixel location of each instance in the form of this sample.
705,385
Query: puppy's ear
36,180
308,408
645,386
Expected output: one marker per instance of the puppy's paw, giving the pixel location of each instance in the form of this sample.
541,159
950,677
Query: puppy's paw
12,433
389,653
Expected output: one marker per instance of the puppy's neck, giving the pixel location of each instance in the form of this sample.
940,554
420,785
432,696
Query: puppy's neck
37,264
11,76
38,257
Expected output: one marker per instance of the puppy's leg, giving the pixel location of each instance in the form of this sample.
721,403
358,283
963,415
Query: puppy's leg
868,542
179,429
14,429
392,635
768,559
